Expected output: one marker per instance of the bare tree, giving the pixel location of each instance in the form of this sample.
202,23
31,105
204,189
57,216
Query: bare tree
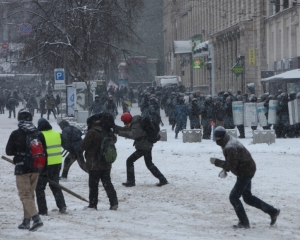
82,36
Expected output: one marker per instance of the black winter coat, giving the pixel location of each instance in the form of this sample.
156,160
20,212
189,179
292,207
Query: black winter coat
91,145
17,144
71,137
238,159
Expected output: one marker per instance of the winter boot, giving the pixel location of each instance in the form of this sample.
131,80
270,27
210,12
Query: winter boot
115,207
274,217
37,223
242,225
63,210
162,182
128,184
176,135
25,224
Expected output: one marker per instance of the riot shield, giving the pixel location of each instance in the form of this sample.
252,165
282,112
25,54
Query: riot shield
250,115
272,116
261,114
238,112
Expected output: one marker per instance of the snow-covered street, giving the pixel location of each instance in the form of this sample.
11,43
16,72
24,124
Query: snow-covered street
194,205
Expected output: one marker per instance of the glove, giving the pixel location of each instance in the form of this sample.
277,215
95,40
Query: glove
223,174
212,160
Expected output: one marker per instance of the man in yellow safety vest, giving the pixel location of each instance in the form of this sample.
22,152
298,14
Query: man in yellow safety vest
54,162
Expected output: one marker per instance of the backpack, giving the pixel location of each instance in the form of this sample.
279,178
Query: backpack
35,154
151,128
108,151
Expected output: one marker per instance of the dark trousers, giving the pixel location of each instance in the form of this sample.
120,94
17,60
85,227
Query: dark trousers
49,112
253,128
241,129
57,110
70,159
52,174
206,130
94,178
148,161
11,110
242,187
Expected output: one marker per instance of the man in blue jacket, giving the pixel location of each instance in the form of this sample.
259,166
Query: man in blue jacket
71,142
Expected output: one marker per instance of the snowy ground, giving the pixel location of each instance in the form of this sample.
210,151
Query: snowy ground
194,205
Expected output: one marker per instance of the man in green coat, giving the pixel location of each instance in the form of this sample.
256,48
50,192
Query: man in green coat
133,130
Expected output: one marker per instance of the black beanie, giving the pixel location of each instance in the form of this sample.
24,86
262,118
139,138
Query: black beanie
219,132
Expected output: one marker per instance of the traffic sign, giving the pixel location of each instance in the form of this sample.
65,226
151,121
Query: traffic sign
25,28
59,75
59,86
5,45
237,69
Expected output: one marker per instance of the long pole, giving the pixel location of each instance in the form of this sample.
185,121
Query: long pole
52,182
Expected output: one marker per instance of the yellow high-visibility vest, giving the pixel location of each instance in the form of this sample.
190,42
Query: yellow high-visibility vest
53,147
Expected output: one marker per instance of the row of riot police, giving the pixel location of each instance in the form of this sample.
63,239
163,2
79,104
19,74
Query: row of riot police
207,111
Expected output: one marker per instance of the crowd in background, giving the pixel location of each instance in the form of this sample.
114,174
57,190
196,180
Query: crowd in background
206,111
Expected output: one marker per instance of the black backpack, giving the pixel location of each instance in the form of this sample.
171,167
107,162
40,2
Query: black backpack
151,128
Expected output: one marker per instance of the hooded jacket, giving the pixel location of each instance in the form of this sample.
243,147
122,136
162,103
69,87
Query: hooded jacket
238,159
17,144
136,132
91,145
71,137
53,154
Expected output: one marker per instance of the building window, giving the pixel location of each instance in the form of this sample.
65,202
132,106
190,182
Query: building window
277,6
285,4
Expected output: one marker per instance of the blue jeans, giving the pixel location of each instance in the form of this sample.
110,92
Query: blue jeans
242,187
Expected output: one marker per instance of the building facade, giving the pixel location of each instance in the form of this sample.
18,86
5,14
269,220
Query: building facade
252,33
283,35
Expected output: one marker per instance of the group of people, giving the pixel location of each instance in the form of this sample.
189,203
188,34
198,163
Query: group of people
208,111
100,126
213,110
44,104
108,103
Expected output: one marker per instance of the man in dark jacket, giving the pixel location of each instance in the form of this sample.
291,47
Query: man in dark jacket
98,128
194,113
111,107
181,113
154,111
11,106
228,119
26,178
239,161
54,160
96,105
133,130
207,115
71,142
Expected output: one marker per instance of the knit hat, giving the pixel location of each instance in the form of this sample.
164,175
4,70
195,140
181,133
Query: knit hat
219,132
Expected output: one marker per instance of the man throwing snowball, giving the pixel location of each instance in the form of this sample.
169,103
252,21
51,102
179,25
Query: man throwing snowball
239,161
